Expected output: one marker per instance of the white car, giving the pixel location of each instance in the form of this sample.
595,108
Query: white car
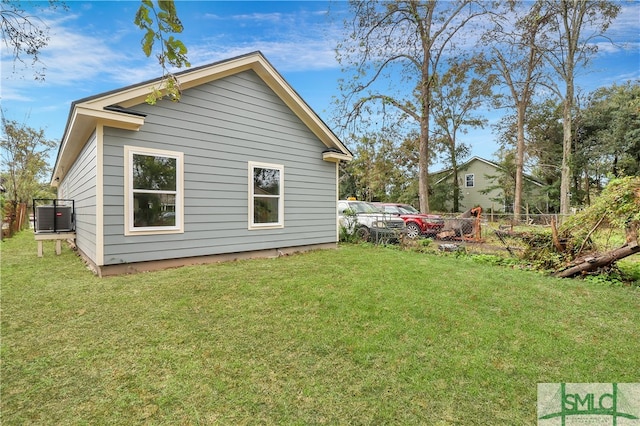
368,222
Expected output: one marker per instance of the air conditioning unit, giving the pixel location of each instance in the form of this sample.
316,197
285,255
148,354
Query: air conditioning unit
54,219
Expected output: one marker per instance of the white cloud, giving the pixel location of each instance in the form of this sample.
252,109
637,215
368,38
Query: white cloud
609,47
10,94
297,41
286,55
260,17
71,57
627,23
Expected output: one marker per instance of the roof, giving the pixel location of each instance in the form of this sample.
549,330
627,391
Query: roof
112,108
448,172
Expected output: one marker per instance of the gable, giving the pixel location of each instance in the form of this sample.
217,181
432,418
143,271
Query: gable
480,167
481,171
229,119
114,109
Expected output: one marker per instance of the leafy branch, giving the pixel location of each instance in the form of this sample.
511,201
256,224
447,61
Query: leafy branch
158,24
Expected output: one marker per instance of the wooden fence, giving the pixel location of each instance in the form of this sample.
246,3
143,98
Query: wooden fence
14,218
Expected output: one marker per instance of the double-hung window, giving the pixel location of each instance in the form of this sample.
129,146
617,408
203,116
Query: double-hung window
154,183
469,180
266,195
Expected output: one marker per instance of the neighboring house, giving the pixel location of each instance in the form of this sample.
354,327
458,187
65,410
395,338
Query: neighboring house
478,180
239,167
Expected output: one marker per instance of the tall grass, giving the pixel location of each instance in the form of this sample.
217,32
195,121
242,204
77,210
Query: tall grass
358,335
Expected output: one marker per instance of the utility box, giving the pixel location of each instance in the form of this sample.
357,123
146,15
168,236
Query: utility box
56,216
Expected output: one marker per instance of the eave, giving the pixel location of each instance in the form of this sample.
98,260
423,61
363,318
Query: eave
335,156
83,122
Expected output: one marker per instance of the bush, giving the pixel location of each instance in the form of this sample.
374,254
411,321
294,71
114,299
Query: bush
348,226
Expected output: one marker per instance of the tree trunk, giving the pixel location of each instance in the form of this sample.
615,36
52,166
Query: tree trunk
423,162
587,187
423,169
565,177
456,184
517,202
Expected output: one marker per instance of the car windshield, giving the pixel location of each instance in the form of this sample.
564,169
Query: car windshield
362,207
407,209
392,209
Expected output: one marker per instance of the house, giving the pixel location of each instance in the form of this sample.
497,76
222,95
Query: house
240,167
479,181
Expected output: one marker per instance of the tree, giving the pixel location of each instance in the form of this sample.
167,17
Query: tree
402,44
571,49
458,92
24,159
610,125
24,34
376,173
543,139
586,158
504,179
517,57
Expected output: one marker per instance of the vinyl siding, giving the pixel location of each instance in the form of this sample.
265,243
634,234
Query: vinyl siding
220,127
80,186
472,197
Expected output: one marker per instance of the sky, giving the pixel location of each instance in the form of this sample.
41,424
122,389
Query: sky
94,47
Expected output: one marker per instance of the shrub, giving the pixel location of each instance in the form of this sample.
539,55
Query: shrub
348,226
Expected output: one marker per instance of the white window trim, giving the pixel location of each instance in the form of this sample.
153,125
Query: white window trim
466,185
129,229
274,225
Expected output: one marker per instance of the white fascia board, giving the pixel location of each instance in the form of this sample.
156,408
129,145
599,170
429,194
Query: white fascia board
336,157
298,106
116,119
84,121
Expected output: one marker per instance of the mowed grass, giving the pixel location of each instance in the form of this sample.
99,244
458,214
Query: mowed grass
357,335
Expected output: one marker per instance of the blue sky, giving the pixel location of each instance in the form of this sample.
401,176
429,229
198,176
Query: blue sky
95,47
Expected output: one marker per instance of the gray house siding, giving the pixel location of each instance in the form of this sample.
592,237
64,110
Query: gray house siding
80,186
220,127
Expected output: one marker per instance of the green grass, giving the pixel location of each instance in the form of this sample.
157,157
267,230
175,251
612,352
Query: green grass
358,335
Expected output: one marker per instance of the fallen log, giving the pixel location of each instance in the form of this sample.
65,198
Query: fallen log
593,263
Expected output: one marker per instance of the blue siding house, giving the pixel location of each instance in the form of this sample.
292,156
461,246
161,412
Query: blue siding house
240,167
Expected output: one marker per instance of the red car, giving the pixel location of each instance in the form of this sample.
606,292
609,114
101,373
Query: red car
417,223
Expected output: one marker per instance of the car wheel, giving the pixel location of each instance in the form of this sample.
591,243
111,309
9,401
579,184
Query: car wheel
363,233
413,230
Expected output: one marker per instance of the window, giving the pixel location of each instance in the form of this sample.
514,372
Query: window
266,204
154,181
468,180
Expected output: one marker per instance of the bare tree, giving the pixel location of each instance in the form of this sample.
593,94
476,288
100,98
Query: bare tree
25,34
575,25
394,50
458,92
515,49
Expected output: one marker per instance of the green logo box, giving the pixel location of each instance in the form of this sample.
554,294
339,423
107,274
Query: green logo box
593,404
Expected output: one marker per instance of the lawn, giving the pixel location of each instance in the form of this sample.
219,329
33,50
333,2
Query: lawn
358,335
